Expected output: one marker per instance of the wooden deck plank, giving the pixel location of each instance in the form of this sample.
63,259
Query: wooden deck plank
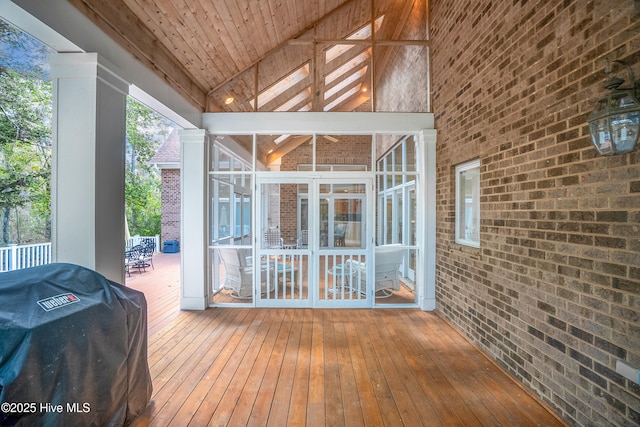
293,367
264,397
350,400
426,372
392,339
315,403
388,408
245,404
238,378
177,383
186,399
383,346
284,387
224,369
300,388
366,394
334,404
199,396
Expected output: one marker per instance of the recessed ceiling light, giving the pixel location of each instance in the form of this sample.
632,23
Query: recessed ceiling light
229,100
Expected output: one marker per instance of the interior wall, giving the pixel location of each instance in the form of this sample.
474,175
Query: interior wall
553,292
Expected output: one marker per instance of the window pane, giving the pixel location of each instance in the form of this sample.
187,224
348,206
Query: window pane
410,154
227,151
352,152
468,204
285,152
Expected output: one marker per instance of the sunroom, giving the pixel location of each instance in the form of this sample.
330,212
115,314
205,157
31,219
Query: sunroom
332,222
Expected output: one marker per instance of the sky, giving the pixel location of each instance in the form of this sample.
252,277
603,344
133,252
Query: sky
21,52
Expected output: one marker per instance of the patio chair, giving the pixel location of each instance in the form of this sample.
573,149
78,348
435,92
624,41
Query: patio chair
148,249
387,269
303,240
339,233
238,272
272,239
133,258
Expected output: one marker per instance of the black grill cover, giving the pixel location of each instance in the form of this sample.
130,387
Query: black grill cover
73,348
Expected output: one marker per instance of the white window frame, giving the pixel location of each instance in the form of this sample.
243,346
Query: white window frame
467,230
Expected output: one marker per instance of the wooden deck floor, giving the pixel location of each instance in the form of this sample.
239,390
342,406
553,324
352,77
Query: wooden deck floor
297,367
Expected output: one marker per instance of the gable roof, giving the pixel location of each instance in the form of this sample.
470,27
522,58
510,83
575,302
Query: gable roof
168,155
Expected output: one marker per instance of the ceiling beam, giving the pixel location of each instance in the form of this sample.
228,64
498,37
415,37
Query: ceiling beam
280,46
285,148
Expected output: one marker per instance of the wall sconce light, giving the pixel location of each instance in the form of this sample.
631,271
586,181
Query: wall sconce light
615,121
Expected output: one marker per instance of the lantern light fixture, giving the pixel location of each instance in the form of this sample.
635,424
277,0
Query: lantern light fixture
615,121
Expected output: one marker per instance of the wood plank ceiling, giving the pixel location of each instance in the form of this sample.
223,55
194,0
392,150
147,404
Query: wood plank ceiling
263,55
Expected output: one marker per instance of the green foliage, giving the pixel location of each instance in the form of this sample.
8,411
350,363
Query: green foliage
142,197
25,149
25,138
145,132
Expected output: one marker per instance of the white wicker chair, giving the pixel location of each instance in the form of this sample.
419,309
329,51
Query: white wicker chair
238,272
387,269
272,239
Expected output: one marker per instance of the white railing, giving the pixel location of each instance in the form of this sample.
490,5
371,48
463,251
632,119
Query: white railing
15,257
136,240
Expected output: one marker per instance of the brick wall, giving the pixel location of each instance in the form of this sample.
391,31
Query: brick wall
553,293
170,199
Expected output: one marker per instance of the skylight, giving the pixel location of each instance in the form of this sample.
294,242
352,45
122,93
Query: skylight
287,106
344,69
346,82
281,86
362,34
342,98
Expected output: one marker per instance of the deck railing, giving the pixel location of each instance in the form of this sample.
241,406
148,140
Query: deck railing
15,257
136,240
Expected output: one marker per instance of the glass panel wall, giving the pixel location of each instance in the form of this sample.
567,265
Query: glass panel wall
281,153
286,205
343,153
230,216
396,201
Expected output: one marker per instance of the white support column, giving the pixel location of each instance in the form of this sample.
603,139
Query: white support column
428,182
89,114
193,213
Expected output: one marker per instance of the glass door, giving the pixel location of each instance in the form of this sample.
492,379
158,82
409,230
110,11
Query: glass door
313,247
284,243
341,261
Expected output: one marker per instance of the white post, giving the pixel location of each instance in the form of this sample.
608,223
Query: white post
89,104
13,256
193,219
427,153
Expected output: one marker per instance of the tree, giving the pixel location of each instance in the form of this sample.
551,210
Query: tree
145,132
25,145
25,133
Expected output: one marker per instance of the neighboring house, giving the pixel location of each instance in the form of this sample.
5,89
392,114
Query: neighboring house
168,161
